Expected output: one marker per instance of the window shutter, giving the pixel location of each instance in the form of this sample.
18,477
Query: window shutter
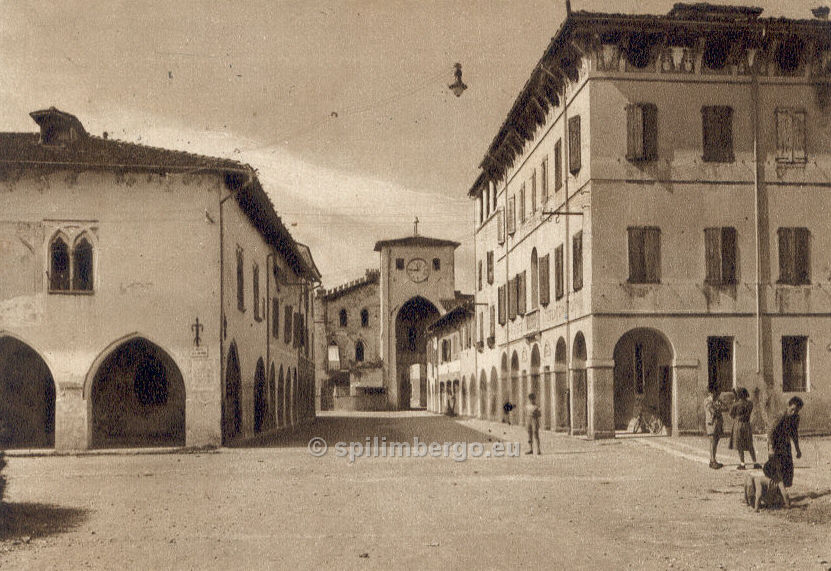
501,305
634,132
287,324
512,215
577,268
558,165
522,203
650,131
492,315
481,327
636,265
535,280
558,272
802,257
785,256
712,249
479,277
521,293
652,251
574,145
728,255
533,191
798,136
783,135
545,291
500,225
490,267
544,181
717,124
275,317
512,299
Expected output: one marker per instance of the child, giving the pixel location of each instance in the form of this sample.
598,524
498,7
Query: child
780,463
758,489
506,411
533,414
714,423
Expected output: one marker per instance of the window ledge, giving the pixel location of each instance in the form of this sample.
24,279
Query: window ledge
71,292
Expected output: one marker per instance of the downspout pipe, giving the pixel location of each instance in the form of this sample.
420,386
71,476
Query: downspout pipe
758,163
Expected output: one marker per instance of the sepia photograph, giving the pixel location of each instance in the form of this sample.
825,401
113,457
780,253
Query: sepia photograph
415,284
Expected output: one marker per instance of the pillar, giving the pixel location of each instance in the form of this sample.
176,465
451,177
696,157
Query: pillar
600,396
577,402
687,396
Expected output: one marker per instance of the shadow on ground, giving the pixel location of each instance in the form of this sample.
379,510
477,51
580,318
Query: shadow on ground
333,429
25,521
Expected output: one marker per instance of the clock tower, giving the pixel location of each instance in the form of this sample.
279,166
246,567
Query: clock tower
417,285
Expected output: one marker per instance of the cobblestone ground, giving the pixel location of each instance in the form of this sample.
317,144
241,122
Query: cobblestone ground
627,503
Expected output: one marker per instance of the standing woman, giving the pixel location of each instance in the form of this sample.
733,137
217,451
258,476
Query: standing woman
742,436
779,466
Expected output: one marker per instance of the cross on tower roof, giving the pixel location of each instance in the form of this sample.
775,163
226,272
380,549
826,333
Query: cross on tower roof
415,226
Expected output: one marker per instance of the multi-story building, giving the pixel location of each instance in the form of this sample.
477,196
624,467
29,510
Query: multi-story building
372,333
148,296
650,221
451,360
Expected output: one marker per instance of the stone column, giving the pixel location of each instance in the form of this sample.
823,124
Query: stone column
600,395
577,402
561,399
686,397
71,414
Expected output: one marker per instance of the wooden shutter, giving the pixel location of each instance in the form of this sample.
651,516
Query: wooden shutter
544,181
544,271
522,203
512,215
500,225
798,136
650,131
786,273
559,289
652,254
533,191
802,256
492,315
712,254
577,267
490,266
512,299
481,327
636,262
728,255
521,293
501,305
634,132
558,165
784,128
275,317
574,145
479,276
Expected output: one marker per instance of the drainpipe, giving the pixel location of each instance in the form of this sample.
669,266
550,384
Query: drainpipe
476,293
758,163
268,276
567,261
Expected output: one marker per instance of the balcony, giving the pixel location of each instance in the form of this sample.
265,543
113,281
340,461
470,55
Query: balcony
532,323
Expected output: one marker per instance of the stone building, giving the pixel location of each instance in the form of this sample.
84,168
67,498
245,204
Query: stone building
451,360
651,222
149,297
372,332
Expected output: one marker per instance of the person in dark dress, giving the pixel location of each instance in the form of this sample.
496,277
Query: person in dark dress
779,467
741,438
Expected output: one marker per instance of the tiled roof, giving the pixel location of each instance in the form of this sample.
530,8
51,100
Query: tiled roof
460,312
78,150
415,241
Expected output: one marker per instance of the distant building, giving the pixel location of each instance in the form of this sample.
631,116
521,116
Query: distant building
451,361
372,332
148,296
651,222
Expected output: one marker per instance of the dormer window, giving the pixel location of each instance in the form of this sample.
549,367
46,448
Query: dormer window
57,127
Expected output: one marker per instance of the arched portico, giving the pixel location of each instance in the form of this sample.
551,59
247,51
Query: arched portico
643,360
493,396
260,397
562,410
232,403
27,397
137,397
578,388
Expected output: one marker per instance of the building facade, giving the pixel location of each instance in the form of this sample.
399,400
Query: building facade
650,222
372,333
451,360
149,297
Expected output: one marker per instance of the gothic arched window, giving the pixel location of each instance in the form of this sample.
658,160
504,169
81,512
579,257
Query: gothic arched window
59,265
82,265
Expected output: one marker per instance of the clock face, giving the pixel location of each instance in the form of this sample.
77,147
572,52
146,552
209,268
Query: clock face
417,270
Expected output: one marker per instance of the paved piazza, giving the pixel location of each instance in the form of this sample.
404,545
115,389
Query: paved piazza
627,503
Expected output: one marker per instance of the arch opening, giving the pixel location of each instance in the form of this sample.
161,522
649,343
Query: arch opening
27,397
231,403
411,351
137,398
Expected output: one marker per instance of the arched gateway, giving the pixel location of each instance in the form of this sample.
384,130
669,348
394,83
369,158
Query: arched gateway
137,398
411,346
27,397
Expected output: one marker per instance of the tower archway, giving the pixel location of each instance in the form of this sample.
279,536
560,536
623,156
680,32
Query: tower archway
411,347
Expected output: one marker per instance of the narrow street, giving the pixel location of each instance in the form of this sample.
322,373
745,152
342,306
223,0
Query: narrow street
622,503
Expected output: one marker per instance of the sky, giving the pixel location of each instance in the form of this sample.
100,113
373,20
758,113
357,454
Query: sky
342,107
